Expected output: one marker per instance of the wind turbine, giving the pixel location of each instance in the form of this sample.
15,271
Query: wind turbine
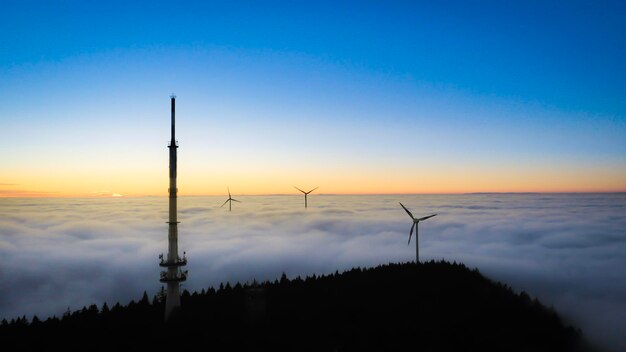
305,194
415,225
231,200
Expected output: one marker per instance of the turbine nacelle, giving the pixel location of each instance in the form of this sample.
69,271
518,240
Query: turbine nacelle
424,218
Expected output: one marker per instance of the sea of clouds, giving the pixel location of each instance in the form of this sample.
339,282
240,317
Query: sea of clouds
569,250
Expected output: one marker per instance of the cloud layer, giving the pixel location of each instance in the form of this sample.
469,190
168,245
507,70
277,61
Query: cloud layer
568,250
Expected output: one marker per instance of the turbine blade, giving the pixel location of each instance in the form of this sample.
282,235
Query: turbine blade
235,200
411,233
299,189
407,211
225,203
426,217
312,190
228,192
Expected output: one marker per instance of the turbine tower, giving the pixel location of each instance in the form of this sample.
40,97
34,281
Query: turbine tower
174,275
415,225
231,200
305,194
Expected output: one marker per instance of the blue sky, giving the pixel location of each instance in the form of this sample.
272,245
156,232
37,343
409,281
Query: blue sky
568,55
480,85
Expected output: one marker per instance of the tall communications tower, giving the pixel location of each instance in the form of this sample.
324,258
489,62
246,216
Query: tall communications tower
173,276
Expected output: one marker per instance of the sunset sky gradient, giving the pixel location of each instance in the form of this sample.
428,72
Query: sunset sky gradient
363,97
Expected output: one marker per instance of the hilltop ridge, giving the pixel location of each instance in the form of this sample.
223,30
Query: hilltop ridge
433,306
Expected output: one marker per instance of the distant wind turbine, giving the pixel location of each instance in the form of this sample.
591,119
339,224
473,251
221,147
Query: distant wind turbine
415,225
230,200
305,194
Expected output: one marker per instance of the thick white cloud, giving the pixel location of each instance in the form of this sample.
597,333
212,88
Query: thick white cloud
568,250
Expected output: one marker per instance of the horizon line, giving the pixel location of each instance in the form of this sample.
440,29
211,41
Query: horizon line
318,194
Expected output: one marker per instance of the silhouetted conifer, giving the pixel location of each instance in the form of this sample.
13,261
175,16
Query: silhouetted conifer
145,301
35,320
23,321
93,309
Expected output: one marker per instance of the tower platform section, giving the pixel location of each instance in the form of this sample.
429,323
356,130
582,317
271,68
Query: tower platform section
178,277
178,262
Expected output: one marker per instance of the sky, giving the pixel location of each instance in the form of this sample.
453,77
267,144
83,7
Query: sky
567,250
353,97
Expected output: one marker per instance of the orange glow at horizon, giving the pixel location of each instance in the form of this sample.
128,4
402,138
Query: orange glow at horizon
355,180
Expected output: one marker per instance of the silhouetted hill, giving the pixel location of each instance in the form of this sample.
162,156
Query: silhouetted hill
435,306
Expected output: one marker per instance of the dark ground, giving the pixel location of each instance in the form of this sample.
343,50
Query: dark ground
434,306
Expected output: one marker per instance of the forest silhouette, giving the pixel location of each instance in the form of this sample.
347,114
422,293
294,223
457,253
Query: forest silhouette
433,306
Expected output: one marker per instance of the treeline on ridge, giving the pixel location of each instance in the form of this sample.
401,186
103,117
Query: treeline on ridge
433,306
